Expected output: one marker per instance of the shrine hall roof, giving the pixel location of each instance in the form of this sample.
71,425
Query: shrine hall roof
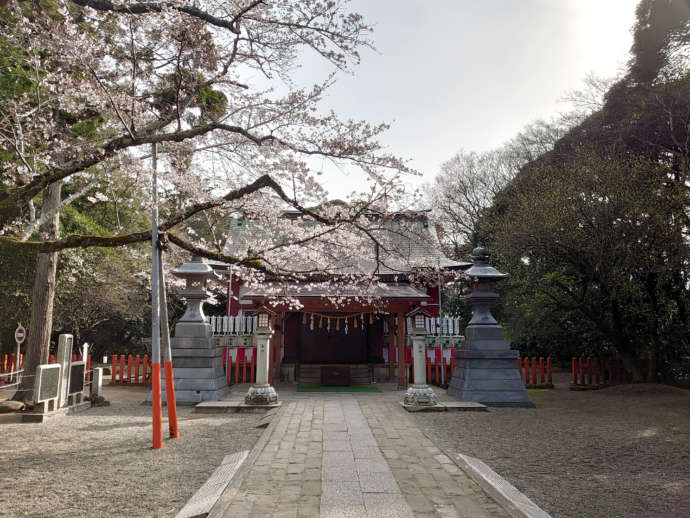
379,290
408,243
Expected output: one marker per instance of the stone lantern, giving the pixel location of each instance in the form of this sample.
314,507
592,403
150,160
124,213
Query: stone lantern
197,361
261,393
485,367
419,394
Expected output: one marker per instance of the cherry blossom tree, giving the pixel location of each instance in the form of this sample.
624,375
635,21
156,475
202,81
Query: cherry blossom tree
92,85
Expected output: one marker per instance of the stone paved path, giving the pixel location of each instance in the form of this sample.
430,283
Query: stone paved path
349,457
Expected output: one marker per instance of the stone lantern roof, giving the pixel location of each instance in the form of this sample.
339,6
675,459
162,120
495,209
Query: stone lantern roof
481,269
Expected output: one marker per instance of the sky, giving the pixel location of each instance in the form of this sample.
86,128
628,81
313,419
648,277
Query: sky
470,74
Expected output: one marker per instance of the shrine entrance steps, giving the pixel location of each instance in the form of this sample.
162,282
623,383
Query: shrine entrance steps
315,374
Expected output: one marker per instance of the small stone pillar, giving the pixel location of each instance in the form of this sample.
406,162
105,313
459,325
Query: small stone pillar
486,367
96,383
262,393
419,394
64,358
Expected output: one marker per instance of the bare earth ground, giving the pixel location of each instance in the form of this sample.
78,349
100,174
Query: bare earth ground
618,452
99,462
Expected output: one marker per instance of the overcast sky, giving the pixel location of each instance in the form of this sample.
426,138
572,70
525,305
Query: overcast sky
469,74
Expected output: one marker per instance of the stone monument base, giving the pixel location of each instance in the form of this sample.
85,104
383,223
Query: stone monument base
420,395
261,395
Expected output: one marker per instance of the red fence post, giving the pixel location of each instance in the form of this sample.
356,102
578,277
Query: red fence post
445,369
549,376
228,370
428,370
122,368
534,370
144,368
113,369
244,371
574,371
88,367
525,364
541,369
581,369
237,369
437,376
137,361
519,362
129,368
252,371
588,363
597,376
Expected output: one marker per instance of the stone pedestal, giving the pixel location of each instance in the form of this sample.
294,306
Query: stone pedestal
486,368
419,394
262,393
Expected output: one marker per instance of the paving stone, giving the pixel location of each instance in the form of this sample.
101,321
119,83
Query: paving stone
419,503
366,466
341,494
378,483
384,505
342,511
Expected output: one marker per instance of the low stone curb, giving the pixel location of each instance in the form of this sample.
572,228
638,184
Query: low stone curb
226,497
513,501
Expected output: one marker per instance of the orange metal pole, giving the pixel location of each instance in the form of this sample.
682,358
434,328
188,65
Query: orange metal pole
170,397
156,404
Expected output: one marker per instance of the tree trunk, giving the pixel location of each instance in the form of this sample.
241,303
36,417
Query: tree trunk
38,334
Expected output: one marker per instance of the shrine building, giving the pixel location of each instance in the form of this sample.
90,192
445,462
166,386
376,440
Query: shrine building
347,335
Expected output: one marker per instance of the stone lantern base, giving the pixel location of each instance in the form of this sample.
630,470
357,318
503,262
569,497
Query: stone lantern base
261,395
486,370
420,395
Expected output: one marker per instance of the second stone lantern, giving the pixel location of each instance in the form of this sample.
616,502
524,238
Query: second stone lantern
197,361
486,367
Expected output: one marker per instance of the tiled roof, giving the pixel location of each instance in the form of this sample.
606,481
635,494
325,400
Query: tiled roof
408,243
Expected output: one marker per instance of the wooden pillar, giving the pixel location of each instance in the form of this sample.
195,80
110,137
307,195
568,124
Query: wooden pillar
278,344
402,366
391,347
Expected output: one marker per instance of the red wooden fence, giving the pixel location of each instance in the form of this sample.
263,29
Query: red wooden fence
240,371
594,371
127,370
540,372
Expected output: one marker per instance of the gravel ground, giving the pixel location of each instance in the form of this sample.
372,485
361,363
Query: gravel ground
618,452
99,462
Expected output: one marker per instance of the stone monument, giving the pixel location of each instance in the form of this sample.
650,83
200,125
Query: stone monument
486,367
197,361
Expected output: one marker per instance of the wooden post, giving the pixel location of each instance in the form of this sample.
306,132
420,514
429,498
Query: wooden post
113,360
122,368
402,366
574,371
534,370
519,361
244,370
129,368
541,370
228,368
144,368
278,346
581,368
137,361
437,377
391,347
88,367
237,369
548,370
428,370
252,371
443,369
525,362
597,375
588,364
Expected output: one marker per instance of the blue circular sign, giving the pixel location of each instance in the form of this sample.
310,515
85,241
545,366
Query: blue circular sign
20,334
